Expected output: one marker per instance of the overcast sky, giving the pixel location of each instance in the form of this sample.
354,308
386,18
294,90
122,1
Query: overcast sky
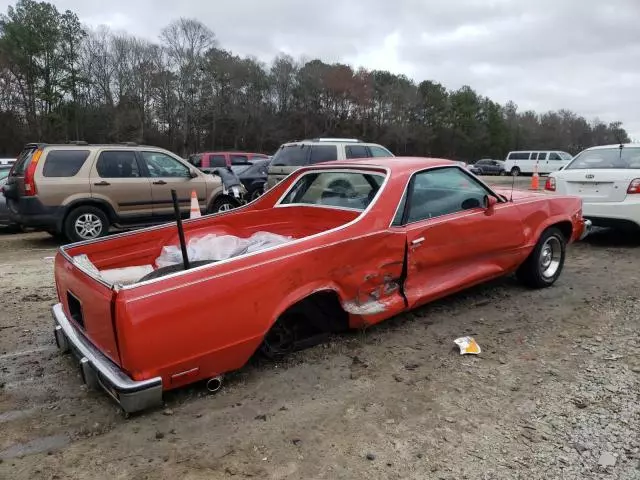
583,55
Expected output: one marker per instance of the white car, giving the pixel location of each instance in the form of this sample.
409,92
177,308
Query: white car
607,178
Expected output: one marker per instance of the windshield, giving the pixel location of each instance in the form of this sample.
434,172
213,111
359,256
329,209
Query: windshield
613,157
565,155
238,169
350,190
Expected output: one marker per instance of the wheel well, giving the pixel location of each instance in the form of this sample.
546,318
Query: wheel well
565,227
323,310
88,203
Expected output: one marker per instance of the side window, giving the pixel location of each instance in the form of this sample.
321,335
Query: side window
534,155
162,165
379,152
442,192
554,156
64,163
542,156
323,153
356,151
239,159
118,164
217,161
519,156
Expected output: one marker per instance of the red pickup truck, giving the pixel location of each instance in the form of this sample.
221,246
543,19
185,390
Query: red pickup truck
364,241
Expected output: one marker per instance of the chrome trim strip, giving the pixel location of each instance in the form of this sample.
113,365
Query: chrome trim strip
105,367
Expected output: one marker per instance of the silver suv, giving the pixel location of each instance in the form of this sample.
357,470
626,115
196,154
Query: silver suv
293,155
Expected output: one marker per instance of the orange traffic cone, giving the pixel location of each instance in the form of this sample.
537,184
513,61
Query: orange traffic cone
535,180
195,208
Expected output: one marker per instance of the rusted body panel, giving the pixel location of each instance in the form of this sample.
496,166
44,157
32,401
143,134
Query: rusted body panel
209,320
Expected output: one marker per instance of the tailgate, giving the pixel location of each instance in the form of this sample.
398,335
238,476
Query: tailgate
88,304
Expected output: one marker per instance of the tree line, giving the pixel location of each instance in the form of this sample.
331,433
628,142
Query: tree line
61,81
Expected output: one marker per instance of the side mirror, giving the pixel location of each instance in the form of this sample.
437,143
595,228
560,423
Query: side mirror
193,174
489,204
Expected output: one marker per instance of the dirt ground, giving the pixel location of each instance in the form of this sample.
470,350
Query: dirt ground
553,395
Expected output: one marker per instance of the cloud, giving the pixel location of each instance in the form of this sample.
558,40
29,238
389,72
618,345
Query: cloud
583,55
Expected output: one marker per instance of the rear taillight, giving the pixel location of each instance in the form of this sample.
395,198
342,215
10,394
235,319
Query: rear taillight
30,175
550,184
634,186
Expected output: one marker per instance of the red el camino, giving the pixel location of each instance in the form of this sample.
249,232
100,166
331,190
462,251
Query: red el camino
363,241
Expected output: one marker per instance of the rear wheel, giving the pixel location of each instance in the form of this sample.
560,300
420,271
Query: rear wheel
544,265
85,223
515,171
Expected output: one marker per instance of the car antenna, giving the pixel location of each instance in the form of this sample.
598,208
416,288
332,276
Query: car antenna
183,244
513,180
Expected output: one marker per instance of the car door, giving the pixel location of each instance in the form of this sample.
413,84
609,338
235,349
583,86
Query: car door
167,173
453,240
118,178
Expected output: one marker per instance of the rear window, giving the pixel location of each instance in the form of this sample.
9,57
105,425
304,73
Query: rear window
216,161
64,163
335,189
323,153
23,161
615,157
291,156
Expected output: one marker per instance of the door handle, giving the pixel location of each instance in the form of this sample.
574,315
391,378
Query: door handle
102,184
160,182
417,241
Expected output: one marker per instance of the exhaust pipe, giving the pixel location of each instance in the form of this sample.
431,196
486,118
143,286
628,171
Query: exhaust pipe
214,384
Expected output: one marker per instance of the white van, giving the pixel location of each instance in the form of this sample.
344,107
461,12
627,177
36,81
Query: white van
524,161
7,161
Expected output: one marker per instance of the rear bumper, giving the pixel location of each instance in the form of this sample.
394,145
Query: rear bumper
30,212
613,214
100,372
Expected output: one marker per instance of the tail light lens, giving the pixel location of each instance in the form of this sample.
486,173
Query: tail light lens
550,184
30,175
634,186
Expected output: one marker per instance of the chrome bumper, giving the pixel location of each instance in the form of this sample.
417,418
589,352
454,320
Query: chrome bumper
99,372
588,225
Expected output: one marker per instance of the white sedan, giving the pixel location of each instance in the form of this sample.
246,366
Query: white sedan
607,178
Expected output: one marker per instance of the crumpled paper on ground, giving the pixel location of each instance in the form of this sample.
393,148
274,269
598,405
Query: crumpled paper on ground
467,345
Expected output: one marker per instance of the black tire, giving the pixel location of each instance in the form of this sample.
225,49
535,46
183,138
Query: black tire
98,219
219,204
179,267
542,267
515,171
255,193
502,173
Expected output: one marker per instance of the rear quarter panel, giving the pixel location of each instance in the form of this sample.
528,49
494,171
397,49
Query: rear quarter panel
540,211
214,319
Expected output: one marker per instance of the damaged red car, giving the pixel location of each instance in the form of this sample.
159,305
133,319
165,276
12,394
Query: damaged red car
332,247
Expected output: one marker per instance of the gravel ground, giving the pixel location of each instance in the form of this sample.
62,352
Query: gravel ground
554,394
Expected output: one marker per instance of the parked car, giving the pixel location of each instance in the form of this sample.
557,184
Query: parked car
487,166
5,220
7,162
79,190
208,161
403,233
607,178
526,161
293,155
253,176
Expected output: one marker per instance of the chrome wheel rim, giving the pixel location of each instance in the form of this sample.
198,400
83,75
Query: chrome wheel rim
255,194
225,207
88,226
550,256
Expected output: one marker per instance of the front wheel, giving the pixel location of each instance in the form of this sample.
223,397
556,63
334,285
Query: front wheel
223,204
544,265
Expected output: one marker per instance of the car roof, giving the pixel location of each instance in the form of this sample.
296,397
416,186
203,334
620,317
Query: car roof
397,165
614,145
219,152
